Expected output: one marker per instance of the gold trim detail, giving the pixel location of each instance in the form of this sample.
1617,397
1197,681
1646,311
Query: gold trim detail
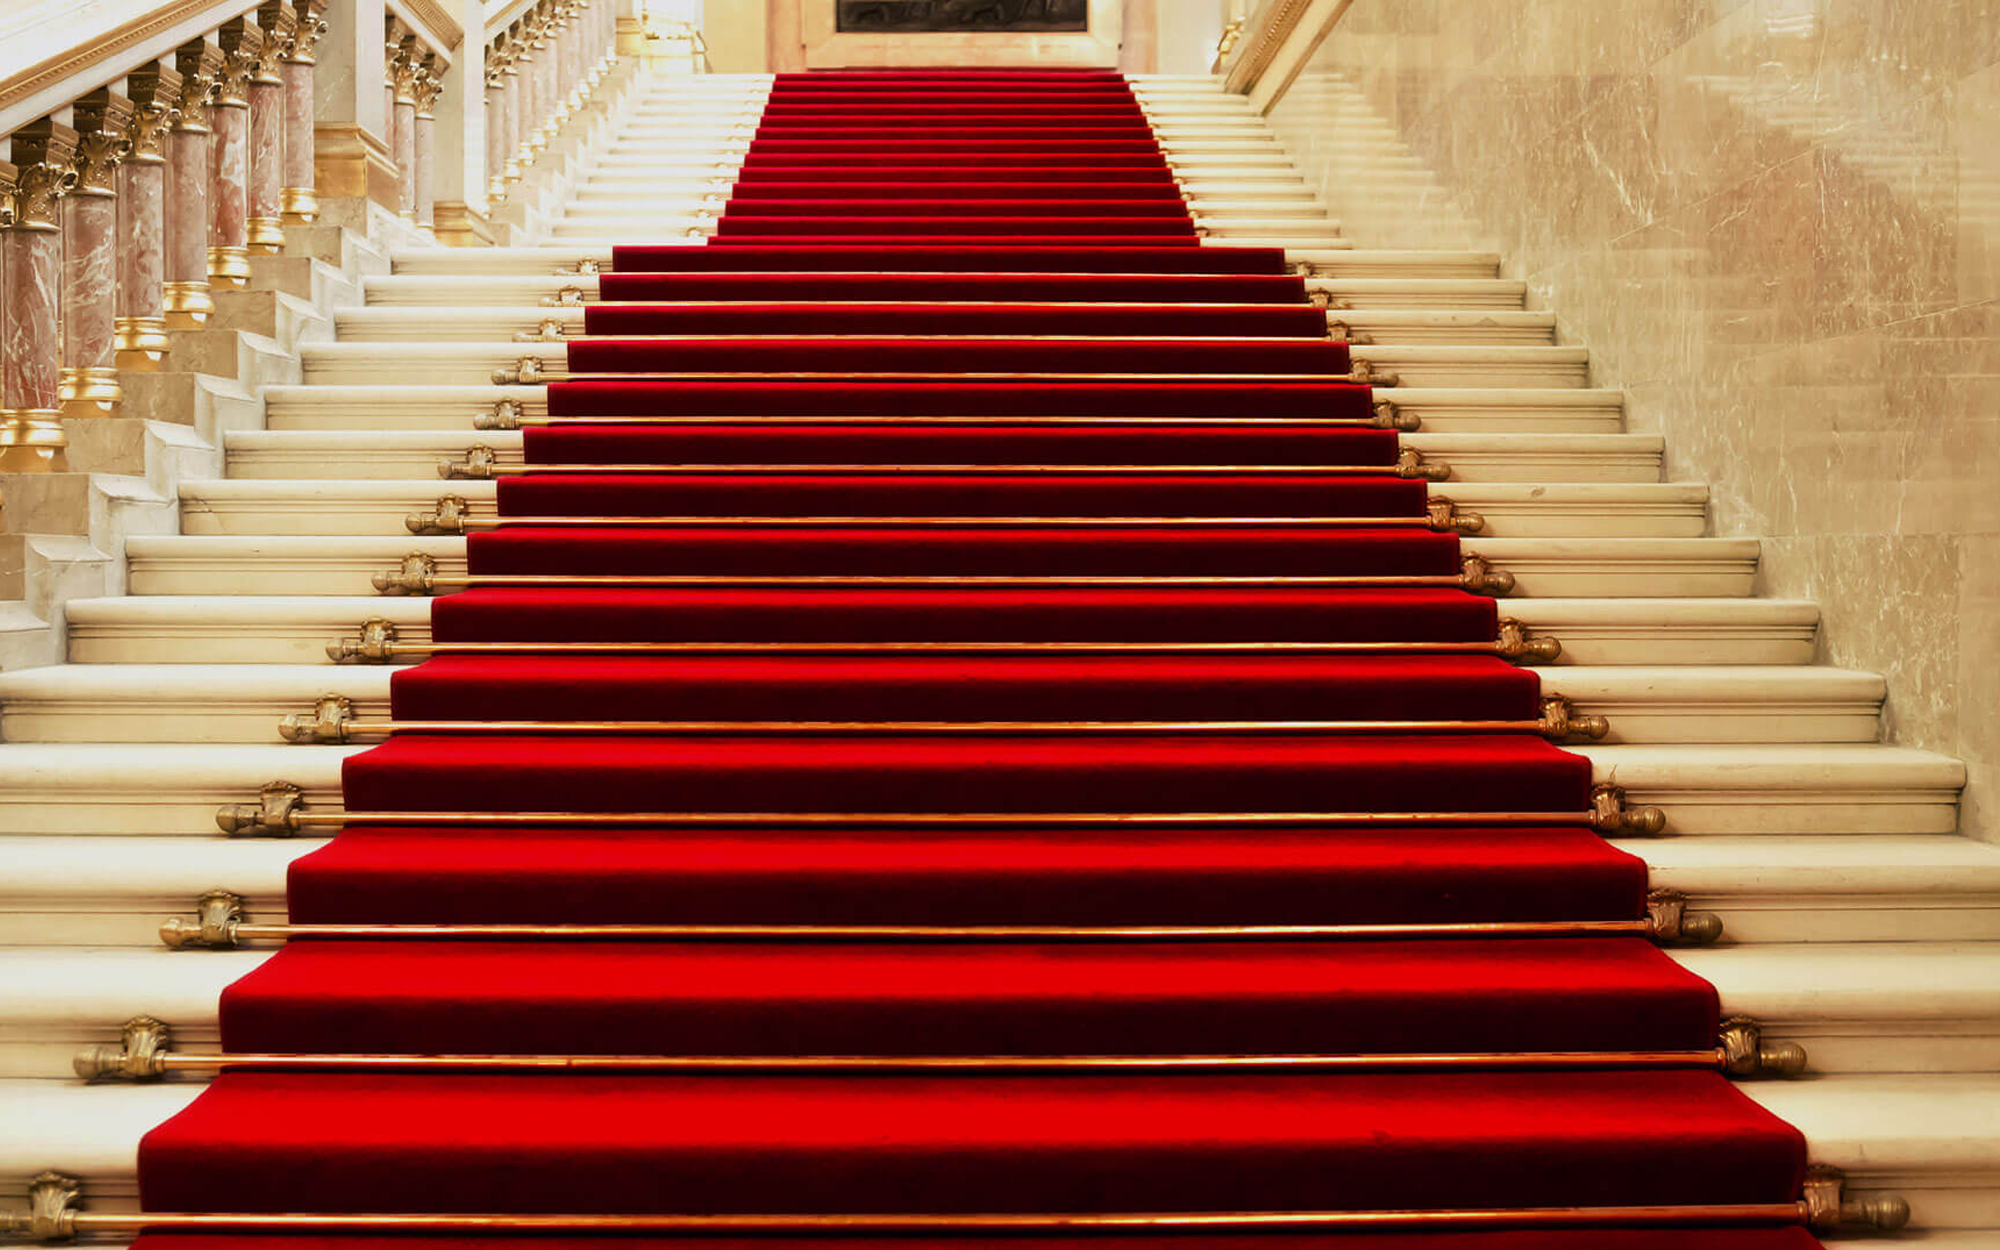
141,343
32,441
188,305
228,267
89,391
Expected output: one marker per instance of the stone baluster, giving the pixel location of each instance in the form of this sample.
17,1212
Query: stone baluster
298,199
139,328
514,91
31,433
429,82
186,295
88,381
404,70
540,75
264,227
229,157
522,107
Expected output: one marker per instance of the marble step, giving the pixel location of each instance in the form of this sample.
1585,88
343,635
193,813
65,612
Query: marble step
243,702
1387,294
414,454
1704,789
1906,1007
113,890
266,629
1420,365
364,506
1551,411
1934,1139
175,564
550,260
489,323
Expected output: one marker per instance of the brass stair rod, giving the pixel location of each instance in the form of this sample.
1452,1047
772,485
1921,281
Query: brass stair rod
381,728
421,523
92,1223
544,419
467,580
958,470
400,650
551,373
1712,1060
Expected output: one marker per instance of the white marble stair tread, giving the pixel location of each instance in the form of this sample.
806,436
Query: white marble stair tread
344,565
264,629
363,506
242,702
464,363
1931,1007
414,453
1394,294
156,788
113,890
1935,1137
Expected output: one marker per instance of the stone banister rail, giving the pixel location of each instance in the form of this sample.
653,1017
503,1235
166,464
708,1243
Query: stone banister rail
148,169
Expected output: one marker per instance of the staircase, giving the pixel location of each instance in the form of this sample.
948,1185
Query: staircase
1858,923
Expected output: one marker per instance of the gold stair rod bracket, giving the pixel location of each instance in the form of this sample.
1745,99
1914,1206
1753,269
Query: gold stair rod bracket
1514,643
328,722
1324,300
1829,1209
1443,516
1411,463
549,331
217,916
1560,720
416,575
1343,332
375,644
448,517
584,268
1609,814
1387,416
1746,1053
275,814
141,1054
1481,578
53,1202
1364,373
1675,925
506,415
526,371
569,296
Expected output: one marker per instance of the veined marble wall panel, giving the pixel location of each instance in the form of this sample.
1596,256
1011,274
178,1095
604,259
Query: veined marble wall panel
1776,224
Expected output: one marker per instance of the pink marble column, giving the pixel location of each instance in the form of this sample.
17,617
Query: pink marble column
406,158
229,159
139,328
264,228
425,149
298,201
185,224
89,376
497,150
31,435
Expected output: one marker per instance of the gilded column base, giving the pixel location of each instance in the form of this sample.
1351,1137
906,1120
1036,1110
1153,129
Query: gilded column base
188,305
228,267
267,235
297,206
89,391
32,441
141,343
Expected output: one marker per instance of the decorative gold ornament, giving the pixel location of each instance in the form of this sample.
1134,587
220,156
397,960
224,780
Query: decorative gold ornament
242,44
311,26
428,85
200,64
281,29
298,205
141,343
229,267
44,171
104,123
89,391
155,93
187,304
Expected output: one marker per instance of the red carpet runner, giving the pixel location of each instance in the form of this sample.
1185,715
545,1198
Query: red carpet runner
956,369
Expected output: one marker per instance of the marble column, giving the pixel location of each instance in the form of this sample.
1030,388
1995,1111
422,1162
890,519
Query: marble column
423,143
89,378
264,229
298,199
31,433
497,150
186,295
139,327
229,158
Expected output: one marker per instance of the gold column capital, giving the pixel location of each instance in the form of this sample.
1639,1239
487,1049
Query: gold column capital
199,63
241,45
155,92
312,25
105,124
280,25
44,153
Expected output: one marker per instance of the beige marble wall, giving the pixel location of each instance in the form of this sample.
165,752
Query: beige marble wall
1776,224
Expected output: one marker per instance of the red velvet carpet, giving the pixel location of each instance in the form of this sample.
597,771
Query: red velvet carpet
956,369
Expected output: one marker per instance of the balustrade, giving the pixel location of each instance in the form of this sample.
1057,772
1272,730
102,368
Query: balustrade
127,215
